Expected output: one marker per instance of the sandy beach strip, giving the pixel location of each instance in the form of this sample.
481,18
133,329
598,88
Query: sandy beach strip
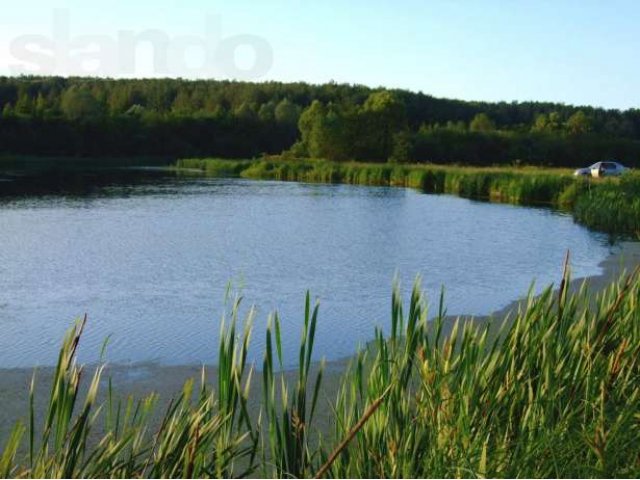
140,379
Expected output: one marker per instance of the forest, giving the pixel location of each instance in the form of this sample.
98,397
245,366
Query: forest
56,116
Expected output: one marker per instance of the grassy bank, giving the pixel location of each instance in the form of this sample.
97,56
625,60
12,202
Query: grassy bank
612,207
557,395
609,205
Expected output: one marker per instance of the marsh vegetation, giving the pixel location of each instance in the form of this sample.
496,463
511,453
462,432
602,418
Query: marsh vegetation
609,205
554,393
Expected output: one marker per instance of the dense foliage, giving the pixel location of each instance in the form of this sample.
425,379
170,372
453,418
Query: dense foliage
164,117
556,393
613,207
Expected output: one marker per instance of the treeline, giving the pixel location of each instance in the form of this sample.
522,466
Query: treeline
381,129
167,117
162,137
445,145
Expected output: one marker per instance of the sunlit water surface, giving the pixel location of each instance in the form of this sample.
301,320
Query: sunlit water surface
149,262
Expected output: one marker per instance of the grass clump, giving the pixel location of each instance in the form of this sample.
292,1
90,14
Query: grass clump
612,207
556,393
218,168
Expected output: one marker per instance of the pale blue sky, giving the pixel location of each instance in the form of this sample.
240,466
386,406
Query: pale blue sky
576,52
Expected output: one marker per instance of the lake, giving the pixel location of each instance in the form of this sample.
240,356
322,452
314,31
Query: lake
148,255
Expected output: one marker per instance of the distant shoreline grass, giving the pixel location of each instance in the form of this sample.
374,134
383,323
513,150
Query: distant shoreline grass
608,205
556,395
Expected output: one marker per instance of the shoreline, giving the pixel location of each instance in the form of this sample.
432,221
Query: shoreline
517,185
140,379
624,258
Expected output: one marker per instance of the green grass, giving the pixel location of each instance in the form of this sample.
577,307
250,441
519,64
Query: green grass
612,206
499,184
607,205
218,168
555,394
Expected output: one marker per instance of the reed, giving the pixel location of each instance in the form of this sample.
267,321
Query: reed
555,393
218,168
610,205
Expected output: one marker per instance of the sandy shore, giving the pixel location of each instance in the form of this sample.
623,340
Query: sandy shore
143,378
624,258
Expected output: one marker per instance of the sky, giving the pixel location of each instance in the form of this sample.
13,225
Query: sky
574,52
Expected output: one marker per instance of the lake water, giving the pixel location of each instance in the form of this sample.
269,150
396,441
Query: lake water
149,256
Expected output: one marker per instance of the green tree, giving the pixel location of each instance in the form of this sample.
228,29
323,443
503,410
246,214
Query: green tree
214,108
197,118
78,104
182,104
246,111
555,122
287,112
579,123
547,123
458,126
41,105
118,101
541,124
383,114
267,112
402,151
310,125
24,104
8,111
482,123
323,132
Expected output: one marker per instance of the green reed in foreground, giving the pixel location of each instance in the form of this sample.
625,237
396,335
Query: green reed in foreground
555,393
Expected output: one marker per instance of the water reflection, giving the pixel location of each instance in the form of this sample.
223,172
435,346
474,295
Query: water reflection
148,255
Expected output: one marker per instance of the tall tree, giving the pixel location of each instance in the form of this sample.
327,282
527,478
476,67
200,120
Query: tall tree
79,104
287,112
579,123
384,115
482,123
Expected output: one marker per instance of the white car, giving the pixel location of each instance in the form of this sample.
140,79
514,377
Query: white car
602,169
